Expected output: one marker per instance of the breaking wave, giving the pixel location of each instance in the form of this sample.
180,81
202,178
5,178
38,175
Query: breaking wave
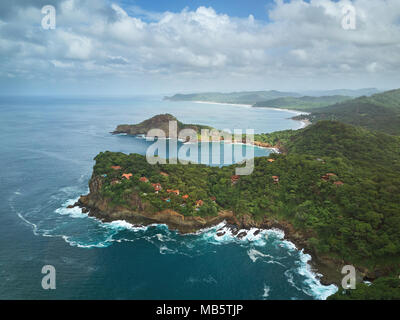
80,230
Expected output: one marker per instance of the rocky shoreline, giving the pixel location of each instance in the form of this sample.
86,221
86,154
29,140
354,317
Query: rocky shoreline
94,205
328,268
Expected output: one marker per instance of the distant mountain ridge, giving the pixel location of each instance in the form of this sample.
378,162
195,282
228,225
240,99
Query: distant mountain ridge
244,97
276,99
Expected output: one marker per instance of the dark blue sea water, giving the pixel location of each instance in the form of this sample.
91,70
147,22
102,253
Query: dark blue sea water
47,146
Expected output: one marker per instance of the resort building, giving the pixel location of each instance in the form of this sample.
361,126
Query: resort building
157,187
275,178
127,175
173,191
235,179
199,203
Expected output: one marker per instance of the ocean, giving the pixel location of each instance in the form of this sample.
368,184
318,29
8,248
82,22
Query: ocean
47,148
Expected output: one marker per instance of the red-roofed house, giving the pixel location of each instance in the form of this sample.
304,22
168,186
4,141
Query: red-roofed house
127,175
173,191
116,167
235,179
199,203
327,176
275,178
144,179
157,187
186,196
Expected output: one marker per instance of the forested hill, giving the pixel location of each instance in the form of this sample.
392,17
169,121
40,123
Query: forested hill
378,112
160,121
338,183
359,145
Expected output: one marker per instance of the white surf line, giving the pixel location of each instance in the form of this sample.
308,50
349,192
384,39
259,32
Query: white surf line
224,104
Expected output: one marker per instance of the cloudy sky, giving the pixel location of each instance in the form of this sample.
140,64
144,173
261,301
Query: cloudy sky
127,47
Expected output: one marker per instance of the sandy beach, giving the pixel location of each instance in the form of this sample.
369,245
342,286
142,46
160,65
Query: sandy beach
225,104
304,123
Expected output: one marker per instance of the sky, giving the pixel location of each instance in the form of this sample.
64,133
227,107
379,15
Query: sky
131,47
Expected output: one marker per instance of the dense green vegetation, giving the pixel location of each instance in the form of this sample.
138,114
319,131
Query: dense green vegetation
385,288
196,181
378,112
363,218
301,103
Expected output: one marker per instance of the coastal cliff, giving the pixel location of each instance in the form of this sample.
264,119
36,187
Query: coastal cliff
141,212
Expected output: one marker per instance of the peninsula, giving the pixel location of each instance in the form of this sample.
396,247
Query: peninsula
334,191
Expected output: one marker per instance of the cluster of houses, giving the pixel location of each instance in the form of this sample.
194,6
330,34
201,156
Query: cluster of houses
156,186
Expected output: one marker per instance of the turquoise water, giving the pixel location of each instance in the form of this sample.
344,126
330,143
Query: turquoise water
47,149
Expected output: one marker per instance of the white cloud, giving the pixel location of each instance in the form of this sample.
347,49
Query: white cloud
60,64
372,67
302,40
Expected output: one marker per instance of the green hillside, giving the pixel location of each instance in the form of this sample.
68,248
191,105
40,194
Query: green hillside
357,221
375,150
379,112
301,103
